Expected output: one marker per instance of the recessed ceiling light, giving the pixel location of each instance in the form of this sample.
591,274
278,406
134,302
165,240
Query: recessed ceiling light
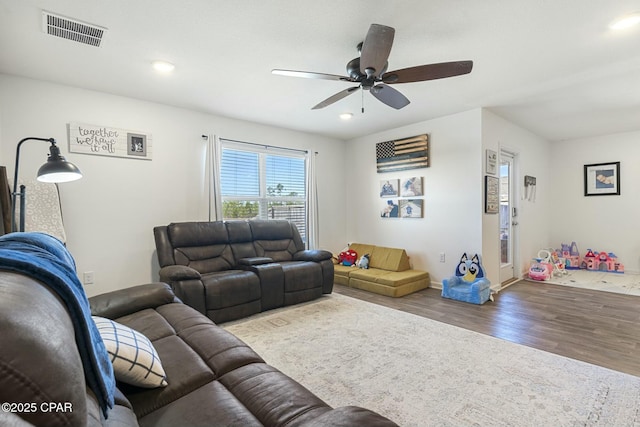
346,116
626,21
163,66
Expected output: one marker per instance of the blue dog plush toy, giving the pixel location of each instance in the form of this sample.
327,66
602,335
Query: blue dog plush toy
469,283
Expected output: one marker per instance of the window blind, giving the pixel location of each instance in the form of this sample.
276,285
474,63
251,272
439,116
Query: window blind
257,184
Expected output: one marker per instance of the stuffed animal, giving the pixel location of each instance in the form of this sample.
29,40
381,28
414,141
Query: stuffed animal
363,262
347,258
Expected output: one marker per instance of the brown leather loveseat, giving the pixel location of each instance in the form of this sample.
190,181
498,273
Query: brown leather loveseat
214,379
233,269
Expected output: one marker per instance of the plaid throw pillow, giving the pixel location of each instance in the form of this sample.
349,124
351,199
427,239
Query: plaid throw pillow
135,360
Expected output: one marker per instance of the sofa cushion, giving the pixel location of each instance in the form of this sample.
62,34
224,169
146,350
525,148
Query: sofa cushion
194,356
229,288
361,248
301,275
278,250
389,278
277,239
391,259
187,234
341,274
135,360
203,246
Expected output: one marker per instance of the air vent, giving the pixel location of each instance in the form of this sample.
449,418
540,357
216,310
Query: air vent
72,29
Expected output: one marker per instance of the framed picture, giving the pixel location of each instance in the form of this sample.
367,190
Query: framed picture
491,162
98,140
602,179
411,208
411,187
491,195
390,209
389,188
136,144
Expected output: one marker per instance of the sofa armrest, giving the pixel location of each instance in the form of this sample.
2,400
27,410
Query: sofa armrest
480,284
315,255
347,416
175,273
130,300
247,262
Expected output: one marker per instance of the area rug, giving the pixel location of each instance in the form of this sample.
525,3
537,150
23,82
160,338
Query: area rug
420,372
626,283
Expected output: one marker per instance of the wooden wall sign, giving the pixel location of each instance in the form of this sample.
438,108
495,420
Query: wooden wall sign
109,141
403,154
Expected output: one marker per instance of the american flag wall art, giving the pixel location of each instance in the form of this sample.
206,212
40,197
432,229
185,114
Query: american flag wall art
403,154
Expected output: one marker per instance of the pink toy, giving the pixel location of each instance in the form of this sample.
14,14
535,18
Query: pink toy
539,270
571,255
549,259
592,260
602,261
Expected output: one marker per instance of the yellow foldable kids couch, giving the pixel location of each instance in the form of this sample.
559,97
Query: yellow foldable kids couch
389,272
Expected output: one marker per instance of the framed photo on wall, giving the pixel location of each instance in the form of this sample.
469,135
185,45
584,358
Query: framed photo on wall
389,187
411,208
491,194
390,209
411,187
602,179
491,162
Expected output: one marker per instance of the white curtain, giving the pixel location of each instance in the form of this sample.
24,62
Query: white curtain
212,173
312,201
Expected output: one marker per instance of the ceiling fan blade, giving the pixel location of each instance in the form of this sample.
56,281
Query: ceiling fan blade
428,72
376,49
390,96
337,97
311,75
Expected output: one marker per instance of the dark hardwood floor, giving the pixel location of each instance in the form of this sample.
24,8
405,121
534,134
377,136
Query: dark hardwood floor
597,327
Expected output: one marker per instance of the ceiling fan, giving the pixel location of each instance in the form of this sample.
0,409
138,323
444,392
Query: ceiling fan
370,71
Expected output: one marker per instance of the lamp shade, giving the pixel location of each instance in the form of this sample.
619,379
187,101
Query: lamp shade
57,168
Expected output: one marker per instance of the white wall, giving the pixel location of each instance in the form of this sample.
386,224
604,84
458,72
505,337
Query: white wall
454,221
534,217
453,194
601,223
110,213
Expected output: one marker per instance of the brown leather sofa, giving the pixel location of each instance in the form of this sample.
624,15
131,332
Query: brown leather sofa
233,269
214,378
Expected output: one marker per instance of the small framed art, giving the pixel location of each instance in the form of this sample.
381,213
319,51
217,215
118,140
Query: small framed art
602,179
491,162
389,188
491,194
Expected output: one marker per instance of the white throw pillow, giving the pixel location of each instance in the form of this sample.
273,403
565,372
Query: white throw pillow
135,360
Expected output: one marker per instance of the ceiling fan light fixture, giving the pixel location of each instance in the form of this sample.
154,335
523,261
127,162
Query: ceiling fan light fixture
625,22
346,116
163,67
369,71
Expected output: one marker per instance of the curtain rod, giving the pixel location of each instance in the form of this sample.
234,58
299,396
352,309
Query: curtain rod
265,145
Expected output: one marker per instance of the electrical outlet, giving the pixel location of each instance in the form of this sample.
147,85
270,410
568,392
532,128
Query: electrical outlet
441,256
87,278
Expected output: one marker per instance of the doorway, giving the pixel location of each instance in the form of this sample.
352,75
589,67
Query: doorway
508,217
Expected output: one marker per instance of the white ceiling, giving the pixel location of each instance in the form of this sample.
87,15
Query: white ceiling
553,67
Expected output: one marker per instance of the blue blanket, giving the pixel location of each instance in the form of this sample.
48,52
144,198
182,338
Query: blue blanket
46,259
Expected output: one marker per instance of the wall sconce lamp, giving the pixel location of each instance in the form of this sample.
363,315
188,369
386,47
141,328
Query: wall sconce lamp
57,169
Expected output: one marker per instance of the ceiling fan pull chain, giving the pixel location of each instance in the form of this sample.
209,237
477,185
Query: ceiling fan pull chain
362,93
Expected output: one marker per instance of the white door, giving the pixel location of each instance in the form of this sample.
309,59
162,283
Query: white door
508,216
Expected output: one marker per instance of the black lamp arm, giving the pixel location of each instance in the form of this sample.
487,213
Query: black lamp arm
15,170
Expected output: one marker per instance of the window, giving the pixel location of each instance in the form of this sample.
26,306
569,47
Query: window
264,183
